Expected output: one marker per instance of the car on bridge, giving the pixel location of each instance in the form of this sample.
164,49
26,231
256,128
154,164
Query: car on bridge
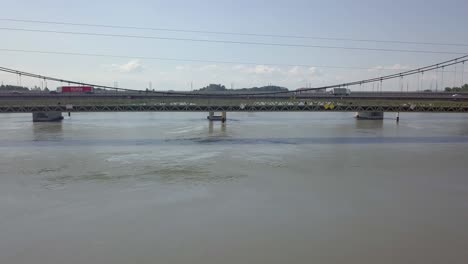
341,91
455,96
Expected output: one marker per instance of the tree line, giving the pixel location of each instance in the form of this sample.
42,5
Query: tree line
17,88
221,88
463,88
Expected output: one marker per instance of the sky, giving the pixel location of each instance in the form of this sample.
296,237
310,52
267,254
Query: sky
197,64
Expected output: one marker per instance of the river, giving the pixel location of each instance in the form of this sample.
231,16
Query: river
262,188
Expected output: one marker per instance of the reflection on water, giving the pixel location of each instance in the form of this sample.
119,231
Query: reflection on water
52,131
212,125
223,128
369,124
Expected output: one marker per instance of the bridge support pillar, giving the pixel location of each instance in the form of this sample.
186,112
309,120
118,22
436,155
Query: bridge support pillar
370,115
212,117
223,117
49,116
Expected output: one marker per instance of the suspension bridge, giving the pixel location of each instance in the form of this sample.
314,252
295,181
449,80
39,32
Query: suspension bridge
48,107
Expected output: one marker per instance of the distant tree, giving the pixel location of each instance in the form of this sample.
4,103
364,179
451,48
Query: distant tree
46,89
219,87
13,88
213,88
463,88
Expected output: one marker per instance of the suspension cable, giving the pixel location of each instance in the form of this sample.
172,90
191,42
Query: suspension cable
463,72
401,83
455,77
442,81
419,84
376,79
422,81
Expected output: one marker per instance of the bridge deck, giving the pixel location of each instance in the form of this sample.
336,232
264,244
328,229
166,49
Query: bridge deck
232,108
190,104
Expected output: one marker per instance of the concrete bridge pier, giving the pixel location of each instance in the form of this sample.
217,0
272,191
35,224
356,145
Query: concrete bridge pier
49,116
370,115
223,117
212,117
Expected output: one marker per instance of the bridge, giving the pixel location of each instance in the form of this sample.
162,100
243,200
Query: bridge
368,105
46,103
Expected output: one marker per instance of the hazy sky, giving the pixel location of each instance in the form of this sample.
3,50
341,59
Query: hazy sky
421,21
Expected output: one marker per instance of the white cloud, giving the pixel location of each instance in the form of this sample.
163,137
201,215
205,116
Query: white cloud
302,71
208,67
238,67
257,69
264,69
390,67
295,70
132,66
315,71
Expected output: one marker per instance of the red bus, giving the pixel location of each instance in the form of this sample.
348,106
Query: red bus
75,89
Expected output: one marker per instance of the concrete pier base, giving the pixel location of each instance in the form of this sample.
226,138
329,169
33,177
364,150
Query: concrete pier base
370,115
212,117
223,117
51,116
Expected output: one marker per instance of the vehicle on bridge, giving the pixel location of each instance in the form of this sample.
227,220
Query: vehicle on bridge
75,89
341,91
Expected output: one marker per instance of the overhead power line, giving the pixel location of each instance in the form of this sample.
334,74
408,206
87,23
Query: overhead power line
230,41
420,70
233,33
193,60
